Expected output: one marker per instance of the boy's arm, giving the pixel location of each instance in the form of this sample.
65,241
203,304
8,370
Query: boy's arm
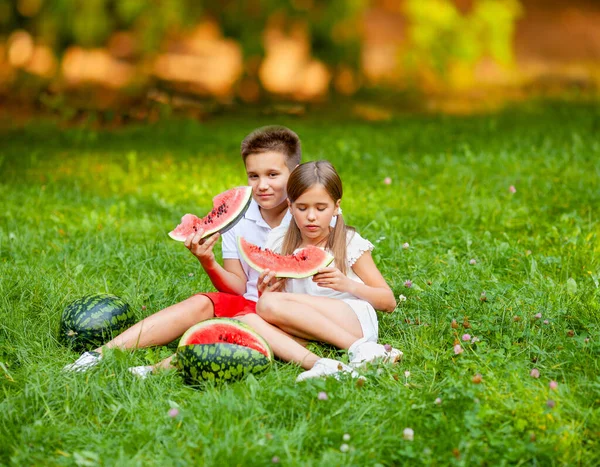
230,278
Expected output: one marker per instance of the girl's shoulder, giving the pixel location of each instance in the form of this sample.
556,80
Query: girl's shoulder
275,238
356,246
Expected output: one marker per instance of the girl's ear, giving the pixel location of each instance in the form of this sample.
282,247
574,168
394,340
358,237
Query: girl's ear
289,204
337,211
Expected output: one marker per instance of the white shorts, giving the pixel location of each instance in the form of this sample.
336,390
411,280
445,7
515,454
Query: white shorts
366,316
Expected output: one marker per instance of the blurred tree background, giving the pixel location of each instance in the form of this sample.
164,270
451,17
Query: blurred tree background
114,51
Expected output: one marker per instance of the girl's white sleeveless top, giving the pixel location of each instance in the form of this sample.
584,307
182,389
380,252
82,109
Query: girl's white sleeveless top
356,246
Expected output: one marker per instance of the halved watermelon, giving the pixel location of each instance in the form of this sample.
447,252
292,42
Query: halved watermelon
228,208
221,349
304,263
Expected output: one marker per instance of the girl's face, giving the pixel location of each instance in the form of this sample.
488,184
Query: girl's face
268,175
312,212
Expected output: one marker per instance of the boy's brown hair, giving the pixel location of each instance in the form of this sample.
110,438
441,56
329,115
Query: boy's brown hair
273,138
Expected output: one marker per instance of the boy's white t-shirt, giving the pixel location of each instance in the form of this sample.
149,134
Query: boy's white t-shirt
254,229
356,246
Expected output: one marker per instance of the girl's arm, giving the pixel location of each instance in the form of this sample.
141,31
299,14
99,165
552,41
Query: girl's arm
375,289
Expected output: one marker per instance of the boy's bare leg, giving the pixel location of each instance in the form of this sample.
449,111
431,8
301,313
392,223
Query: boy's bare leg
165,325
315,318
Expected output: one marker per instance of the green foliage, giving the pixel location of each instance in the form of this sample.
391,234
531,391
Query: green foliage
89,23
440,35
88,211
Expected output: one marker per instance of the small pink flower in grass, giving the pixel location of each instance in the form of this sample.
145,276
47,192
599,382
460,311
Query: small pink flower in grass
546,321
387,347
458,349
407,374
466,337
408,434
322,396
475,339
173,412
408,284
405,245
550,403
553,385
538,316
191,274
586,340
387,180
535,373
512,189
437,401
473,261
143,307
275,460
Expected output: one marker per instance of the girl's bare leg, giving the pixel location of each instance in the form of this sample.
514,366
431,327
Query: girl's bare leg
284,346
165,325
315,318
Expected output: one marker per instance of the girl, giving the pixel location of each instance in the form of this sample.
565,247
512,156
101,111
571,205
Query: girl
338,304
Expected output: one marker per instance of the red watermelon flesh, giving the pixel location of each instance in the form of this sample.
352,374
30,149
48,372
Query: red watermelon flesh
228,331
304,263
228,208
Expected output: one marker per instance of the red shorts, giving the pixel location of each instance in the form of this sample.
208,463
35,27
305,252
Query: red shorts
228,305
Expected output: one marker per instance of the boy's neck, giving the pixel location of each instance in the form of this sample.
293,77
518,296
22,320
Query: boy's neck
274,216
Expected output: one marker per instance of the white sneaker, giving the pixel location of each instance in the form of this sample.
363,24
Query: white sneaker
363,352
327,367
86,361
141,371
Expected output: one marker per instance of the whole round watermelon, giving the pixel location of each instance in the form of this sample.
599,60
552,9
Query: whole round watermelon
90,321
221,350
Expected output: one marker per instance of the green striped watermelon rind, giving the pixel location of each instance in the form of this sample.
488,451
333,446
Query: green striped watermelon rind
235,326
221,361
218,363
90,321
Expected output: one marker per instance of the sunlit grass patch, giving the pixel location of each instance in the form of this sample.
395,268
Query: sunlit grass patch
487,226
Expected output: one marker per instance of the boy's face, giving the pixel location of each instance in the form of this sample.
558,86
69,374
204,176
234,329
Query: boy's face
268,176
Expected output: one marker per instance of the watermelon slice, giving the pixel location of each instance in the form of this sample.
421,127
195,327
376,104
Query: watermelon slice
304,263
221,349
228,208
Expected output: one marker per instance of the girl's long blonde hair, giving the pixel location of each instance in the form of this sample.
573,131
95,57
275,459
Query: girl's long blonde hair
304,177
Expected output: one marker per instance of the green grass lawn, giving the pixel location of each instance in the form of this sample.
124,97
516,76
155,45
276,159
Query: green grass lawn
88,211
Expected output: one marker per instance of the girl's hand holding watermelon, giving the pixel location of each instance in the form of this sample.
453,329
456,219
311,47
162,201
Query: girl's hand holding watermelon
202,248
267,282
332,278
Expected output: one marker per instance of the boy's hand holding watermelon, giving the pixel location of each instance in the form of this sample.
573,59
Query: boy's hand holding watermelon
202,248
